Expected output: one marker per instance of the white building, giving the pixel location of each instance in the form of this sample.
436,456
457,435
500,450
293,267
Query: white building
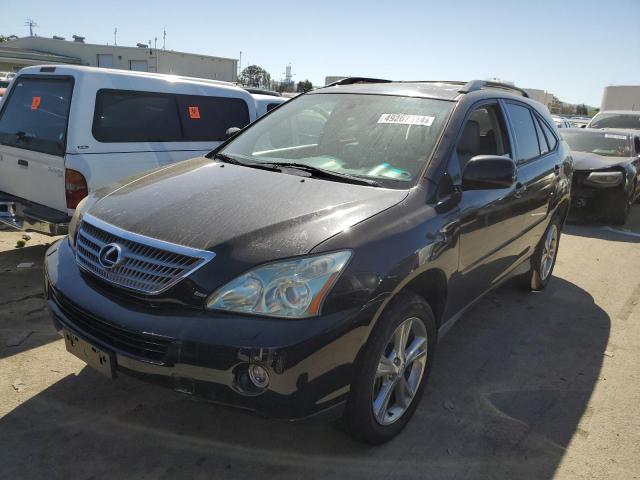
621,97
25,51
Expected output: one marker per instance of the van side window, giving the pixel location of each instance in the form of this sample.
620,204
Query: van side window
35,115
207,118
524,131
124,116
484,133
271,106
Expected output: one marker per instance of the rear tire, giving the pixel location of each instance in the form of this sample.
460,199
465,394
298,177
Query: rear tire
389,383
543,259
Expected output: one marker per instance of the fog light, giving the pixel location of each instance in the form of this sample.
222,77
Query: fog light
259,376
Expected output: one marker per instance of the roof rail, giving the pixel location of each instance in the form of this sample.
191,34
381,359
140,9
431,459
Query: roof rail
475,85
352,80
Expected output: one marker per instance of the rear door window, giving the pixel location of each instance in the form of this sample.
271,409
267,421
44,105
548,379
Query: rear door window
125,116
35,114
525,132
552,140
542,140
209,118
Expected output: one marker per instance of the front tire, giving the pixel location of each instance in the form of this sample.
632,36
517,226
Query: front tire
543,259
393,370
619,207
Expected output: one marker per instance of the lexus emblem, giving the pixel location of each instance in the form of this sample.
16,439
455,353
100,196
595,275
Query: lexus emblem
111,255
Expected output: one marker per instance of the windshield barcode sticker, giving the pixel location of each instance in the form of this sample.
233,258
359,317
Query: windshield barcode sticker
618,137
402,119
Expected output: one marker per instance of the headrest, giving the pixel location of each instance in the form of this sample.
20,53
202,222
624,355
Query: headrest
470,139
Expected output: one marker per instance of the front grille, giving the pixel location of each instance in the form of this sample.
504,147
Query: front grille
146,265
151,347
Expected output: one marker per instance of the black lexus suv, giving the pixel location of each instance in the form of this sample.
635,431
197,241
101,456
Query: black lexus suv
308,266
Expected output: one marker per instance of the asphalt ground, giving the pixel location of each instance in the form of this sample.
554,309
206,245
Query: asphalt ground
526,385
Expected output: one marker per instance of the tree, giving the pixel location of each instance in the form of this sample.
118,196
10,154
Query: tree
8,38
255,76
304,86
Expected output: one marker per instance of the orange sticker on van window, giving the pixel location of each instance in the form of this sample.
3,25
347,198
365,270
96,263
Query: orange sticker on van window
35,103
194,112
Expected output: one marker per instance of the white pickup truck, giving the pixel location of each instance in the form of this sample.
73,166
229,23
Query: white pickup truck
67,130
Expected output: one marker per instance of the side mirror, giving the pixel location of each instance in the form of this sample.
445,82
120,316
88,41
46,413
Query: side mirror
488,172
232,132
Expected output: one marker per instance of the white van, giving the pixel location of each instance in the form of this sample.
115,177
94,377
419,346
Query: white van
266,103
68,130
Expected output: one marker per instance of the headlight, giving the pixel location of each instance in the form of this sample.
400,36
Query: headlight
292,288
604,179
76,220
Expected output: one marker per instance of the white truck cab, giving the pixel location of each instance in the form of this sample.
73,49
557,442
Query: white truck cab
68,130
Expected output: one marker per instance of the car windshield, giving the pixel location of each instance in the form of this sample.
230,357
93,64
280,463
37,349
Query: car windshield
380,137
601,143
616,120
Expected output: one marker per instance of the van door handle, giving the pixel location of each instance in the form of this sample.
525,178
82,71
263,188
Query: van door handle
520,189
556,169
23,163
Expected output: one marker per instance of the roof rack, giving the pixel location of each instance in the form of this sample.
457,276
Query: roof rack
475,85
353,80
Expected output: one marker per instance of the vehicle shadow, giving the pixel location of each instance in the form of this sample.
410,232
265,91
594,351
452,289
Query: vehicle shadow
24,321
510,383
629,233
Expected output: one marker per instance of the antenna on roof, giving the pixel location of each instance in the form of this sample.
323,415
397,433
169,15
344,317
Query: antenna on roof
115,36
31,24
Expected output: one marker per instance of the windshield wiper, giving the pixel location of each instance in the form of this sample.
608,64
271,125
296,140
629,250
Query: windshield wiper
236,161
321,172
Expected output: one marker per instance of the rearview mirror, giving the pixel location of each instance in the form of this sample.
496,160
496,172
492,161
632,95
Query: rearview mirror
231,132
488,172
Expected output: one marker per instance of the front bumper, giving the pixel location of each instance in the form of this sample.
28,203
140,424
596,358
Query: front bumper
23,215
311,362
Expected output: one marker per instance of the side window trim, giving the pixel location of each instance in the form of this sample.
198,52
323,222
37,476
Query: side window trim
543,123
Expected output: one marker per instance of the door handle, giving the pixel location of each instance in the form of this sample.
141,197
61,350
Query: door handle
23,163
448,230
520,189
556,169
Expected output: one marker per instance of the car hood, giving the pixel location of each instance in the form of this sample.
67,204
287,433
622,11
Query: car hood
593,161
250,214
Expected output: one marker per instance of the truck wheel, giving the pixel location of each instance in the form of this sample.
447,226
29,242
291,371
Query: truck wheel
619,206
543,259
393,370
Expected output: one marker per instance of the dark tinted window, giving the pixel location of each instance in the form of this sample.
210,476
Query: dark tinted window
552,140
542,139
136,117
525,132
616,120
208,118
35,114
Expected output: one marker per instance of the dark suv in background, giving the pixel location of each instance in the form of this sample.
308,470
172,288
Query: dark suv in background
309,265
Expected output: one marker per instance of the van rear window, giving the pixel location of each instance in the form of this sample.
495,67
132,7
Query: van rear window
130,116
34,115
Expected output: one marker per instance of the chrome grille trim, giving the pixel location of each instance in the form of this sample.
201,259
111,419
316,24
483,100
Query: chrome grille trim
150,266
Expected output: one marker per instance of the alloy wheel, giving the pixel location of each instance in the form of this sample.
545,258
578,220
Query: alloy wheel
549,250
399,371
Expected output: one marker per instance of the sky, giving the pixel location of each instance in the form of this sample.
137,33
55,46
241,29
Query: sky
571,48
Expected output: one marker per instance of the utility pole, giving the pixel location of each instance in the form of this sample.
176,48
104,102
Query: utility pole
164,38
115,36
240,65
31,24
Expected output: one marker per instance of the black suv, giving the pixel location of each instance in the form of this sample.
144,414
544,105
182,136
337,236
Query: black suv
309,265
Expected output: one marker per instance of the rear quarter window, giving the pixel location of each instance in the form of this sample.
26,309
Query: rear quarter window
34,116
209,118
